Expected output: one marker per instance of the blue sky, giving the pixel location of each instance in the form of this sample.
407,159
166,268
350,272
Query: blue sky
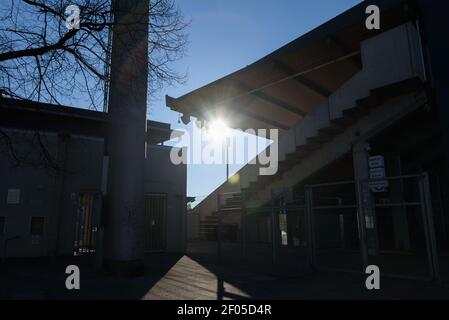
226,35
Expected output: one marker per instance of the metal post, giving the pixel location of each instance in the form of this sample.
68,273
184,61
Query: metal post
361,225
310,227
219,249
429,228
366,200
227,159
274,229
243,225
98,223
219,217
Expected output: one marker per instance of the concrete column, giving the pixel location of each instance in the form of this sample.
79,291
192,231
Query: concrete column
124,221
361,172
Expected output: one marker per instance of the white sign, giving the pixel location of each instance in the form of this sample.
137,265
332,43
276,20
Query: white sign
13,196
376,162
369,222
377,171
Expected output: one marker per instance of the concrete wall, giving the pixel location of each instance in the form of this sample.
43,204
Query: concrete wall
37,198
161,176
193,226
54,196
390,57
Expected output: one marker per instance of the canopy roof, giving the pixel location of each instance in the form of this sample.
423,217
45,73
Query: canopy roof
278,90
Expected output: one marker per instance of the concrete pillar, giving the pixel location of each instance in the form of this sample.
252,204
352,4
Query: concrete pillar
361,172
124,224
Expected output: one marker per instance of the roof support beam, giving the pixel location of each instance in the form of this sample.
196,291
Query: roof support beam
264,120
337,44
272,100
301,79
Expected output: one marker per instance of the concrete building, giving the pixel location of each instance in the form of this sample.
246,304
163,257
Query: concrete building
51,204
363,150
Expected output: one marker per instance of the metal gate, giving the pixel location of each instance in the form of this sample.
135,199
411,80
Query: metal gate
341,226
155,222
352,227
86,225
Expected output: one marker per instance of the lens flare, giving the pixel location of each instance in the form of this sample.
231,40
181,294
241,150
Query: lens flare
217,131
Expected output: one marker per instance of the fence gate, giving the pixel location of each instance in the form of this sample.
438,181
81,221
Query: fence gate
155,222
352,226
86,223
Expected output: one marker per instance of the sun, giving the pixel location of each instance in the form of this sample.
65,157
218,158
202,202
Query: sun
217,131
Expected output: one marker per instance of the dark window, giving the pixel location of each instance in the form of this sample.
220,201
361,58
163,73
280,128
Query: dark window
37,226
2,225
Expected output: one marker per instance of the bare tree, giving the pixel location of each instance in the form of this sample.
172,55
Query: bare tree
41,59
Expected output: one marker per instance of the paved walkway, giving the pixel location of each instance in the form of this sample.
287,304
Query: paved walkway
181,277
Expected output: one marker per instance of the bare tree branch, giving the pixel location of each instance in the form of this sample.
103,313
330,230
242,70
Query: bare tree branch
38,54
40,59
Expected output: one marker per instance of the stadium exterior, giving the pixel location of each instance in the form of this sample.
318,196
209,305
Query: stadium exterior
363,150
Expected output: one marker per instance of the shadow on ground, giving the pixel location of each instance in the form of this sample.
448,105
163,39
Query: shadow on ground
170,276
45,279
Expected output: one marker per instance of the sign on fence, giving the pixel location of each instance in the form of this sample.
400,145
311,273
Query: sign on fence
377,171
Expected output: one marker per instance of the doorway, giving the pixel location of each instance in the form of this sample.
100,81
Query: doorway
155,222
86,224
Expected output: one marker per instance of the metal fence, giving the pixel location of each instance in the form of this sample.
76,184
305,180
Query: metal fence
342,226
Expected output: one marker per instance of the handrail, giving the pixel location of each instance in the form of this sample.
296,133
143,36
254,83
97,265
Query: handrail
331,184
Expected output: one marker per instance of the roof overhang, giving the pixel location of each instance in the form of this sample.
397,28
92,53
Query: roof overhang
44,117
278,90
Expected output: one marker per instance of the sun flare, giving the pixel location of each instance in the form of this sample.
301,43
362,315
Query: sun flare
217,131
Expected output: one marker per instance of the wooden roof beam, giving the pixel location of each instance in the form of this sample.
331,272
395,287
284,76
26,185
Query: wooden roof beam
301,79
272,100
338,45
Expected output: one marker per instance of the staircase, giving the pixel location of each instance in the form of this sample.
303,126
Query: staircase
209,224
391,69
336,127
389,86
